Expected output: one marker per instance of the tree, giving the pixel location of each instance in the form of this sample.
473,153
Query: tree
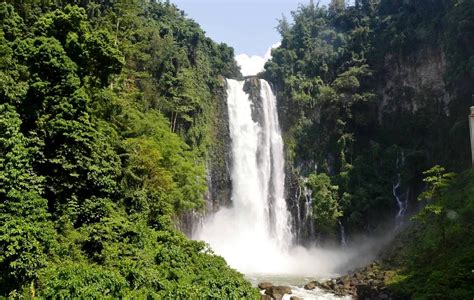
326,209
92,179
26,234
437,180
337,5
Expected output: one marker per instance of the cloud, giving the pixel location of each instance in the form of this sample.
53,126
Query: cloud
252,65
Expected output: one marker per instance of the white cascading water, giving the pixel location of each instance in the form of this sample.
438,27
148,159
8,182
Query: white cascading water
254,235
274,162
396,186
256,229
343,235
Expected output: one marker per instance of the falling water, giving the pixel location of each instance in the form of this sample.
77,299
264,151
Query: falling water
275,166
343,235
396,187
257,226
254,235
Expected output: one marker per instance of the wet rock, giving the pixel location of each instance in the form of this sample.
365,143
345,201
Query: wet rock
363,291
376,282
310,286
264,285
295,298
265,297
364,283
346,282
277,292
358,276
380,276
325,285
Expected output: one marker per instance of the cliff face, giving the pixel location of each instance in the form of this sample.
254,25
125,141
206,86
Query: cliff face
411,116
218,165
220,155
413,82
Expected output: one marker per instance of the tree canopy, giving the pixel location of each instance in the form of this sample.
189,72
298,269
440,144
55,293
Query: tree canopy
104,132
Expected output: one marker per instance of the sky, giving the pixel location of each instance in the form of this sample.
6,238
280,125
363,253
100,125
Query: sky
246,25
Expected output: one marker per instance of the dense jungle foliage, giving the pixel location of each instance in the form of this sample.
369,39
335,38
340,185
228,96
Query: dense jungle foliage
371,95
108,110
106,115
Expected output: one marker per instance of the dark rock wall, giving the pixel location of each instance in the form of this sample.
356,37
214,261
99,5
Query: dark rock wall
407,88
220,155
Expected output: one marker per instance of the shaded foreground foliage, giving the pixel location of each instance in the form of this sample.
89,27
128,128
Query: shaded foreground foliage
105,122
434,257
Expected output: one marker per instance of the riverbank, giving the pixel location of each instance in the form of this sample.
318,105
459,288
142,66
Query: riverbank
370,282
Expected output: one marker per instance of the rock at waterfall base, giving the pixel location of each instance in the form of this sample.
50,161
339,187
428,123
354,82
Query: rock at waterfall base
310,286
277,292
366,283
264,285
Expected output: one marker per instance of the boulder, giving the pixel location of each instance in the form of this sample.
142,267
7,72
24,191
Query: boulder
265,297
264,285
325,285
346,282
376,283
277,292
310,286
295,298
363,291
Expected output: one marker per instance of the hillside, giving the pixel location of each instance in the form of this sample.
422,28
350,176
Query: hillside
370,96
106,124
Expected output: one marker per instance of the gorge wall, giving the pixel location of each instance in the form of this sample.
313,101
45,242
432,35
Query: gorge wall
407,88
370,96
366,104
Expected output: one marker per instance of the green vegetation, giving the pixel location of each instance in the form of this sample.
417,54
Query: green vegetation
109,117
326,206
373,94
106,119
437,257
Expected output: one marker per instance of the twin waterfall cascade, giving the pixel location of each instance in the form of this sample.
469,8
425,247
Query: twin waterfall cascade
254,235
256,229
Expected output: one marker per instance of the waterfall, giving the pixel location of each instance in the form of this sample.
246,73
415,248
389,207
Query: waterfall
273,146
402,204
257,226
343,235
254,235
